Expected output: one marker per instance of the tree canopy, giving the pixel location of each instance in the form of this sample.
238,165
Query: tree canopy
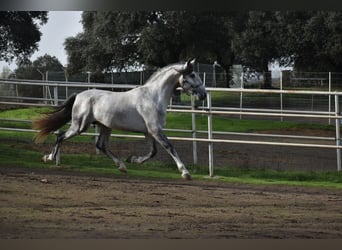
314,40
126,39
38,68
19,33
308,40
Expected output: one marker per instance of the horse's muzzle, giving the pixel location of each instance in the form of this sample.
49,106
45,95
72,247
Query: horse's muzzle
201,93
202,96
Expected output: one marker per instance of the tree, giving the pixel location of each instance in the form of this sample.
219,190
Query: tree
77,57
19,33
109,41
309,40
178,35
127,39
258,42
47,63
315,40
6,72
37,69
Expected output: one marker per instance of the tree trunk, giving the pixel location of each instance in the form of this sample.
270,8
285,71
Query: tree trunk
267,76
229,76
267,80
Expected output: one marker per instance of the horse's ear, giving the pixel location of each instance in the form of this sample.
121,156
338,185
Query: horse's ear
189,65
192,61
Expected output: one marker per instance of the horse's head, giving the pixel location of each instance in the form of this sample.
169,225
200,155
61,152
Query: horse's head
190,81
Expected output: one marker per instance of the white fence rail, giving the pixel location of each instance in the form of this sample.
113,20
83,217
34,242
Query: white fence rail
50,92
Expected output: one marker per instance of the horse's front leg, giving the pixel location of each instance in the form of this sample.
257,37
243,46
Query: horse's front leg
166,144
141,159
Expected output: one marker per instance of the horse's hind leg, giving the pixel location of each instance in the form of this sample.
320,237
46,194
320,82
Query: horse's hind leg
141,159
103,145
77,126
55,150
71,132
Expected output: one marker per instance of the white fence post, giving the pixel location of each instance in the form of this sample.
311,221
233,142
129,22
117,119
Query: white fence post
193,129
281,94
141,77
210,136
204,78
329,108
55,95
338,134
66,88
241,94
58,156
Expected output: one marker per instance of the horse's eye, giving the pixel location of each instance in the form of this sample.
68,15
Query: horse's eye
192,75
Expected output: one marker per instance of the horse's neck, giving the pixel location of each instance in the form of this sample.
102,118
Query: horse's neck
165,87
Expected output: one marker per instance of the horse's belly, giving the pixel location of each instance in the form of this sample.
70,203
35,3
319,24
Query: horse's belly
127,124
129,121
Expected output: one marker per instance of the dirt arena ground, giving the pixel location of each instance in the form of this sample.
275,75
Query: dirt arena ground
58,204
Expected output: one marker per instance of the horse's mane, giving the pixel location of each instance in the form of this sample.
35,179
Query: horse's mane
158,73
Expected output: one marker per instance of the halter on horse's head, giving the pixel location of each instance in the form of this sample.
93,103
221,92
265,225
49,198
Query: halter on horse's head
190,81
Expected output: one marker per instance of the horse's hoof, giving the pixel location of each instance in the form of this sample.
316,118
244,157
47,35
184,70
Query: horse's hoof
186,176
123,170
44,158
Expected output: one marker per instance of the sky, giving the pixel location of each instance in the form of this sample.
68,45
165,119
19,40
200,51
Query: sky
60,25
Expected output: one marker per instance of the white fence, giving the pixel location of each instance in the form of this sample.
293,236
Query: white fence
51,96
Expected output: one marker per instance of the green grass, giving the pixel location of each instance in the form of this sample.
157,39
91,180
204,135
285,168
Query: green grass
23,113
281,177
16,150
225,124
229,99
177,120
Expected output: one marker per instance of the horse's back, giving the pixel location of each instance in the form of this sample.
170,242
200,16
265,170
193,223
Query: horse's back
112,109
93,93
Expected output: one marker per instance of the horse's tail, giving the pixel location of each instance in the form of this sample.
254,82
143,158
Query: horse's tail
53,120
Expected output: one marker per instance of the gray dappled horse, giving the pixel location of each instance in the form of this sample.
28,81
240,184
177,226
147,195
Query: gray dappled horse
142,109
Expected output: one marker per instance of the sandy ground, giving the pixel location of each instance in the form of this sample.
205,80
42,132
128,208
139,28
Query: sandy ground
59,204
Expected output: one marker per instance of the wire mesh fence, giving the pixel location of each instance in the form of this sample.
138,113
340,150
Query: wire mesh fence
247,103
213,75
